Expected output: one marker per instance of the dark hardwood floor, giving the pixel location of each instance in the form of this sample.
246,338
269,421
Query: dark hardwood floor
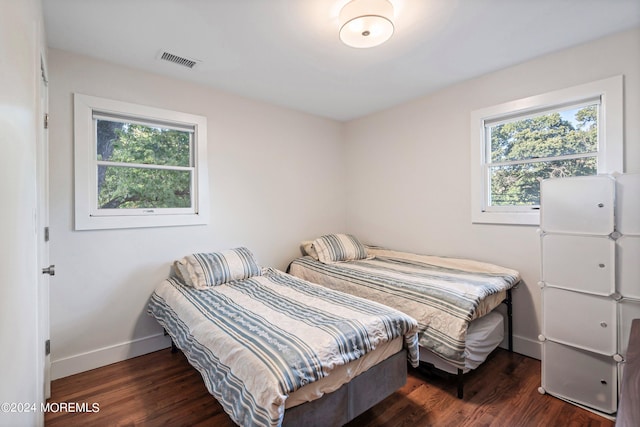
161,388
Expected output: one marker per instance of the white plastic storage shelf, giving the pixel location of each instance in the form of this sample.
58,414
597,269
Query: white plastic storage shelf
590,280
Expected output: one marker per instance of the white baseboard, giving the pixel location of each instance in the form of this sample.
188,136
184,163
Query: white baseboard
105,356
525,346
528,347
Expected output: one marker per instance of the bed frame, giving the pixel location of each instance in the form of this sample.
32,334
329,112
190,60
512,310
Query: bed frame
352,399
509,303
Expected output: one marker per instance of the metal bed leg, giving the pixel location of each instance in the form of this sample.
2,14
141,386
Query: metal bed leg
509,303
174,349
460,383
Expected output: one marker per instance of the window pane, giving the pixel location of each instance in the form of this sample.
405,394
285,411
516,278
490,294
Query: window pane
519,185
133,143
137,188
565,132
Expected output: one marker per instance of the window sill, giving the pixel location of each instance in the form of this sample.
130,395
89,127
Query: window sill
508,218
143,221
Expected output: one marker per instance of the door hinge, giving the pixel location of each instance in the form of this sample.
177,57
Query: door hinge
47,347
46,234
46,120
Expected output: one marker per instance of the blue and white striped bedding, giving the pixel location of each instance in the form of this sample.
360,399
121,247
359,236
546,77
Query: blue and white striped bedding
258,340
442,294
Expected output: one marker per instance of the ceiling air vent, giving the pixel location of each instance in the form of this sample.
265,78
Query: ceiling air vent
180,60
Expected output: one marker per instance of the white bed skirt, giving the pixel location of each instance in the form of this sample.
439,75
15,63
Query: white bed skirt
483,336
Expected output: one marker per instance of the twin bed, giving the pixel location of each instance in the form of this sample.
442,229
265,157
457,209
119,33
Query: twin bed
452,299
277,350
321,348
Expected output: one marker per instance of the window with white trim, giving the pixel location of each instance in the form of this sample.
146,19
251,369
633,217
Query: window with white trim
571,132
138,166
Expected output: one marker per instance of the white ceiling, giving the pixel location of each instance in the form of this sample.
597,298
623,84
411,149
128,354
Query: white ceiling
287,52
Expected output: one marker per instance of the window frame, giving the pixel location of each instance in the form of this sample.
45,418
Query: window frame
610,141
87,214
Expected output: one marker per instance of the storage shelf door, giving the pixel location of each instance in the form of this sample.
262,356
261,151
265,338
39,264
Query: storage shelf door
628,204
581,320
628,266
581,263
582,205
628,310
580,376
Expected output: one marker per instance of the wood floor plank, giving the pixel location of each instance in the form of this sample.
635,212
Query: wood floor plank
162,389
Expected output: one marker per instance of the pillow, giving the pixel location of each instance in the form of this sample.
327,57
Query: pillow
203,270
333,248
307,248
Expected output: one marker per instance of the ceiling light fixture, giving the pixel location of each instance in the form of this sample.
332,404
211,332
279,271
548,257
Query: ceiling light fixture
366,23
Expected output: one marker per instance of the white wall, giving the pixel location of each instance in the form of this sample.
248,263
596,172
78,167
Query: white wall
407,187
21,43
267,193
409,166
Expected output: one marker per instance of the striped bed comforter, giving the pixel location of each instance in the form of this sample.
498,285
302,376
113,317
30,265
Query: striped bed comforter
257,340
442,294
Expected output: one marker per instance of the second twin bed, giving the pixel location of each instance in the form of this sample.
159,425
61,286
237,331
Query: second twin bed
453,299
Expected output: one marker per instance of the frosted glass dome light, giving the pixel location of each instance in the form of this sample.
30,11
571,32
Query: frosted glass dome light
366,23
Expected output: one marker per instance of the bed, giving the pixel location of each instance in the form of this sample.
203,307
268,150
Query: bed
452,299
276,350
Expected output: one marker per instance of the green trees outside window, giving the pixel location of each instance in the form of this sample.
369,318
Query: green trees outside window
143,167
526,150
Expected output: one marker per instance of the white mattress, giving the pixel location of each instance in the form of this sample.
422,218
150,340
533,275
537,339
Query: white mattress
483,336
343,374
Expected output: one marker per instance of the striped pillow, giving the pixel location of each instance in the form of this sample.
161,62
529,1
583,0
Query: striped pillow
203,270
333,248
